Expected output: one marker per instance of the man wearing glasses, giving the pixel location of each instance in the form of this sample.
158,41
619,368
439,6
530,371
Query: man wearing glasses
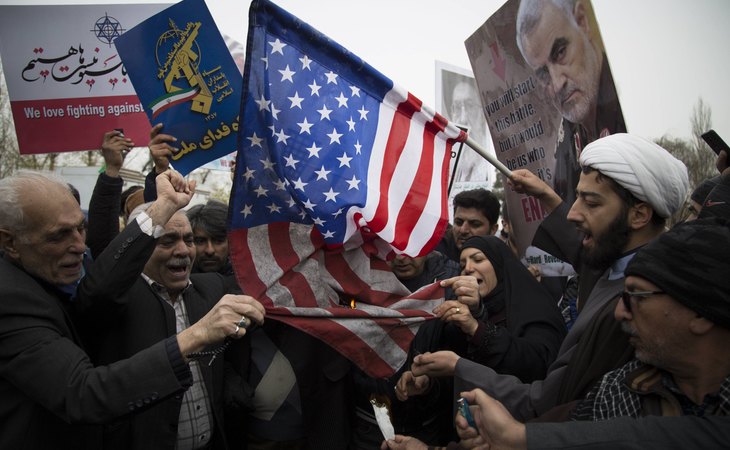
676,310
676,393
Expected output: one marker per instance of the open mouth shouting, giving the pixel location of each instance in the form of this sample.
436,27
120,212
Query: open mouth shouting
179,268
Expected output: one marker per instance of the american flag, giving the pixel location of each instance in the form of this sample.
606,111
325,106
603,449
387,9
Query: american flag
337,169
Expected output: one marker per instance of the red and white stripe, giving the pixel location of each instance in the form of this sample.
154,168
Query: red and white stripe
287,267
407,176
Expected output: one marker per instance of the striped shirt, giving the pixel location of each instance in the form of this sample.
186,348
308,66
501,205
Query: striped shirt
194,428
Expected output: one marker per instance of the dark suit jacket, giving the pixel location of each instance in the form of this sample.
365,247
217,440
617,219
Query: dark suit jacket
103,213
324,388
48,385
125,319
603,346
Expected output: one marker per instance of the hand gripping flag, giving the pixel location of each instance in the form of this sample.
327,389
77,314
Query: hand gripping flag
337,170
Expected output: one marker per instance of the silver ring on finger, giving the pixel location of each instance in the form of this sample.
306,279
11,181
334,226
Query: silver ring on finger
458,310
244,322
235,333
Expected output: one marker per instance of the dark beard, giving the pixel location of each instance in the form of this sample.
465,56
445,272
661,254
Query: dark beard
609,246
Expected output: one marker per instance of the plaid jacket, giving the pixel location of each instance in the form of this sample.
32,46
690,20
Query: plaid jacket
638,389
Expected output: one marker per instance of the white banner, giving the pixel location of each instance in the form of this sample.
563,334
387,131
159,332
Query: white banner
66,83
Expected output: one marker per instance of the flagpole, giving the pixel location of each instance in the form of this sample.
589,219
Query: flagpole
489,157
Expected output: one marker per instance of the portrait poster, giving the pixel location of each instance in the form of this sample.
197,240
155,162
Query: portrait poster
66,83
542,112
187,80
457,99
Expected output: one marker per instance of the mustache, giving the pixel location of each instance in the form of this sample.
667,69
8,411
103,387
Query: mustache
70,261
566,91
626,328
179,262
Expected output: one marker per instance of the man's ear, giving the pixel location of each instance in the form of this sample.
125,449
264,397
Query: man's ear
699,325
640,215
581,17
7,243
493,229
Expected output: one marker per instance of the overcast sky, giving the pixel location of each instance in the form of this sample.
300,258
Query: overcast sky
664,54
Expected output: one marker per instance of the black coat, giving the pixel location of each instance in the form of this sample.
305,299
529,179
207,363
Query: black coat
124,320
48,385
527,327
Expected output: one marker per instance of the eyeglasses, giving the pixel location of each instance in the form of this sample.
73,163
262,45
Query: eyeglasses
638,295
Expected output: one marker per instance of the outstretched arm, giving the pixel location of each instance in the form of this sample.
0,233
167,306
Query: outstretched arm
105,200
161,150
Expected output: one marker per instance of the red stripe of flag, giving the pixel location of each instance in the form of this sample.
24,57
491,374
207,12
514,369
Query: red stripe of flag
286,258
401,335
351,283
348,342
241,258
418,194
438,124
349,345
394,148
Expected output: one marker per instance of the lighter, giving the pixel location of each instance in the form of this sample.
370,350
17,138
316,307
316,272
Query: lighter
464,411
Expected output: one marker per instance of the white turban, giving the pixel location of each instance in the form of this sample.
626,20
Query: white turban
645,169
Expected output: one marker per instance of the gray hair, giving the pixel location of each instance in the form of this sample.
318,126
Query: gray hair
529,13
11,210
212,217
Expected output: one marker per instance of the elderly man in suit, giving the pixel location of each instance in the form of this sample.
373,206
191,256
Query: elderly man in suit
163,300
53,395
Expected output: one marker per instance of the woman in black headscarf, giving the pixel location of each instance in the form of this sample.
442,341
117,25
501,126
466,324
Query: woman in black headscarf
502,317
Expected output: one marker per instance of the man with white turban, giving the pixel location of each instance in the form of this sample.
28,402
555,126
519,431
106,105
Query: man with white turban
627,188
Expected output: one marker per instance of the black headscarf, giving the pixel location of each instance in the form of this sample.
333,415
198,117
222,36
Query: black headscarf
690,262
516,287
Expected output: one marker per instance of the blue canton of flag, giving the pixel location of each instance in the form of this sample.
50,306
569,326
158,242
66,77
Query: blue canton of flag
303,155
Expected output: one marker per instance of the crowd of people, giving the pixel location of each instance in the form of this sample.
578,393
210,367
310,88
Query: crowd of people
127,328
138,336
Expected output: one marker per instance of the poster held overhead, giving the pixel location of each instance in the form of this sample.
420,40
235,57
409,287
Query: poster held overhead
187,80
457,98
545,72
